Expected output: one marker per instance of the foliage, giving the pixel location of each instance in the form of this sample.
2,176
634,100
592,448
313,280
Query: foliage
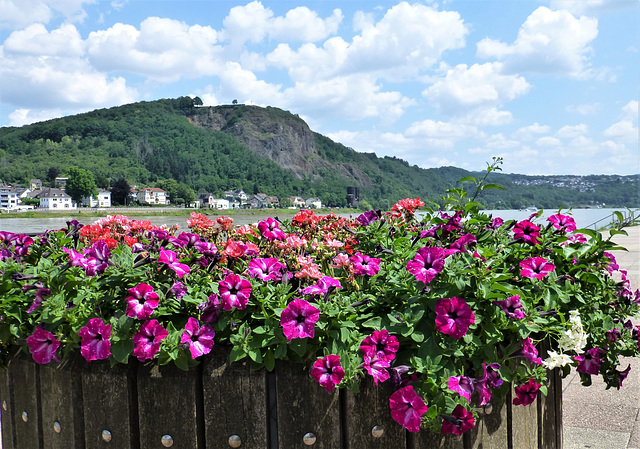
120,192
450,306
80,184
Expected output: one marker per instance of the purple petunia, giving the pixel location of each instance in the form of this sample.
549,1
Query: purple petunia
368,217
328,372
453,317
37,301
199,339
95,344
528,351
298,319
267,269
427,263
536,267
147,340
511,306
234,292
407,408
210,310
142,301
364,265
458,422
43,346
590,361
171,260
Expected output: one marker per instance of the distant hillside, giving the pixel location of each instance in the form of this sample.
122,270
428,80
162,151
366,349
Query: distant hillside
265,150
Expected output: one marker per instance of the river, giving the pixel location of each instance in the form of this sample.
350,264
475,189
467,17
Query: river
583,218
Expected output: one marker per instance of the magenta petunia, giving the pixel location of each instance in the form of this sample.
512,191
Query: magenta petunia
511,306
427,263
527,232
142,301
526,393
377,368
270,230
462,385
461,244
95,344
364,265
562,222
453,317
459,422
536,267
407,408
37,301
528,351
267,269
199,339
147,340
234,292
380,344
171,259
328,372
299,319
323,286
43,346
590,361
210,310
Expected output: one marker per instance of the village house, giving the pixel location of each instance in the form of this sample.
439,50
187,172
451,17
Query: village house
220,204
236,197
35,184
296,202
103,199
152,195
61,182
313,203
55,199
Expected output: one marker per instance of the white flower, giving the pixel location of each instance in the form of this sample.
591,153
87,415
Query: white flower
556,360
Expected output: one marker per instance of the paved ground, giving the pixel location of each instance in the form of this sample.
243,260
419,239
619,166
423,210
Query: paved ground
596,418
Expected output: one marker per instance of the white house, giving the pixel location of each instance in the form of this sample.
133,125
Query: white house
152,195
103,200
313,203
296,202
220,204
9,198
55,199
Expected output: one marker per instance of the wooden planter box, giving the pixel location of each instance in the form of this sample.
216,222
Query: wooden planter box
75,404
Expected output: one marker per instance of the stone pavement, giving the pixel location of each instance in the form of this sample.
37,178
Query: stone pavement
595,418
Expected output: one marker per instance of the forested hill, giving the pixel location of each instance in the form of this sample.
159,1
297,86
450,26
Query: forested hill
261,150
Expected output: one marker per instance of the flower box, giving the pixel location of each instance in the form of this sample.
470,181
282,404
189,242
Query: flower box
393,329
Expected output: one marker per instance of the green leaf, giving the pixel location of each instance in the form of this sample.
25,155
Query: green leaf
121,350
269,361
373,323
236,354
299,346
417,336
491,186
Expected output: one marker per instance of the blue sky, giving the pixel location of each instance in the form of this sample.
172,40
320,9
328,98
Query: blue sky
551,86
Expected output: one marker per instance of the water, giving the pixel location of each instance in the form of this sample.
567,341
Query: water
583,217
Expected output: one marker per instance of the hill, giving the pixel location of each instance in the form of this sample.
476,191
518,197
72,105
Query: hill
265,150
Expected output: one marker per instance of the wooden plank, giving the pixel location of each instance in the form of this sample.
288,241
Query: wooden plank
550,413
6,410
490,431
432,440
524,424
107,401
235,402
61,398
23,381
167,405
305,407
368,409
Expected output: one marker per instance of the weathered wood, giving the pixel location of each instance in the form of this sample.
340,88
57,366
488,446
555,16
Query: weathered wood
364,411
107,401
167,405
490,431
6,410
432,440
305,407
234,402
61,398
524,424
550,413
23,382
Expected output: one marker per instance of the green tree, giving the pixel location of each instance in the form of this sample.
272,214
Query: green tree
120,192
80,184
184,194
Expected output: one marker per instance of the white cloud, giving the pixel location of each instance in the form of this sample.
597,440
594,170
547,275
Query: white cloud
630,110
549,41
592,7
623,130
35,40
584,109
572,131
21,117
529,132
548,141
480,86
17,14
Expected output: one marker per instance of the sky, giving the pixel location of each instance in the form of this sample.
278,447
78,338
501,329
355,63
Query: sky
550,86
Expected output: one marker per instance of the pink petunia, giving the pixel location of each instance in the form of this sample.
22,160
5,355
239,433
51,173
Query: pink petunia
298,319
270,230
561,222
536,267
427,263
328,372
380,344
526,393
377,368
459,422
142,301
364,265
529,352
267,269
453,317
43,346
171,259
95,344
462,385
147,340
199,339
324,284
407,408
526,232
234,292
